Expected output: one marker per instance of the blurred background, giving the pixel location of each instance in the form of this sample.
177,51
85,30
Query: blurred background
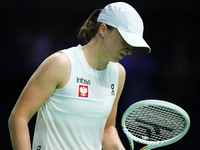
31,30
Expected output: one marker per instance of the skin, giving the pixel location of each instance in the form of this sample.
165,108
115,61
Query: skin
110,45
54,73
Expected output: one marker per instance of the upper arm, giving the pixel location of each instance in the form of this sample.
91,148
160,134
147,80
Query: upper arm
51,74
112,117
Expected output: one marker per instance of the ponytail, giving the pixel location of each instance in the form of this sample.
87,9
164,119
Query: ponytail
90,27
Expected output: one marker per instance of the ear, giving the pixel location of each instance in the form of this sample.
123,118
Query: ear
102,29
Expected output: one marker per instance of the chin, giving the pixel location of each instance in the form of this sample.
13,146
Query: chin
115,61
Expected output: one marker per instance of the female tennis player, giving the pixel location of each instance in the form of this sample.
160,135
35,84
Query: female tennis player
75,92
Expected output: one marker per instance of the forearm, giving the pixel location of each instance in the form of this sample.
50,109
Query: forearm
19,133
111,140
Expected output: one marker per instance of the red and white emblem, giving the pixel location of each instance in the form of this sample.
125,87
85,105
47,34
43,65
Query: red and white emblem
83,91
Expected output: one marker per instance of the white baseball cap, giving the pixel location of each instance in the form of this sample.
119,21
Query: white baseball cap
127,21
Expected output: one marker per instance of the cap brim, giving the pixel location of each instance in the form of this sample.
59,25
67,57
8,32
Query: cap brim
135,40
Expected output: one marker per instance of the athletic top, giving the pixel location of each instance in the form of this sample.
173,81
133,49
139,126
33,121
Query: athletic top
74,117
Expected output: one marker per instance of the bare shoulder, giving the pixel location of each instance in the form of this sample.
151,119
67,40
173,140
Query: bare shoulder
122,71
58,59
56,67
55,63
122,77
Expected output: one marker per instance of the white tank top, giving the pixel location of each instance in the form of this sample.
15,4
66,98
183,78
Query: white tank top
73,118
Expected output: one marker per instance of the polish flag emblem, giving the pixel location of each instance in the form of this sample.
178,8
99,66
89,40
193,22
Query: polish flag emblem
83,91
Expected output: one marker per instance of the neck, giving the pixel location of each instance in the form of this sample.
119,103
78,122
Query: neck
95,55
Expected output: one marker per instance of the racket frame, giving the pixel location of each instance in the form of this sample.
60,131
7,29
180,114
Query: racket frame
151,144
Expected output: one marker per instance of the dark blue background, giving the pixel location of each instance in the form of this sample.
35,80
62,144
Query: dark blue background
31,30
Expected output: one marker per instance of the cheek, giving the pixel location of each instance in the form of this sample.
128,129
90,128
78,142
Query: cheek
109,43
112,42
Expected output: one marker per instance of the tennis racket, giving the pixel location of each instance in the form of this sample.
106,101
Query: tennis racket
155,123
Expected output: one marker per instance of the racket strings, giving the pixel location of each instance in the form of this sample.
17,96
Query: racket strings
155,123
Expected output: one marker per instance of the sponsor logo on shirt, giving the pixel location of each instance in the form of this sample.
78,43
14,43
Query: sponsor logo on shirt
83,81
83,91
112,89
